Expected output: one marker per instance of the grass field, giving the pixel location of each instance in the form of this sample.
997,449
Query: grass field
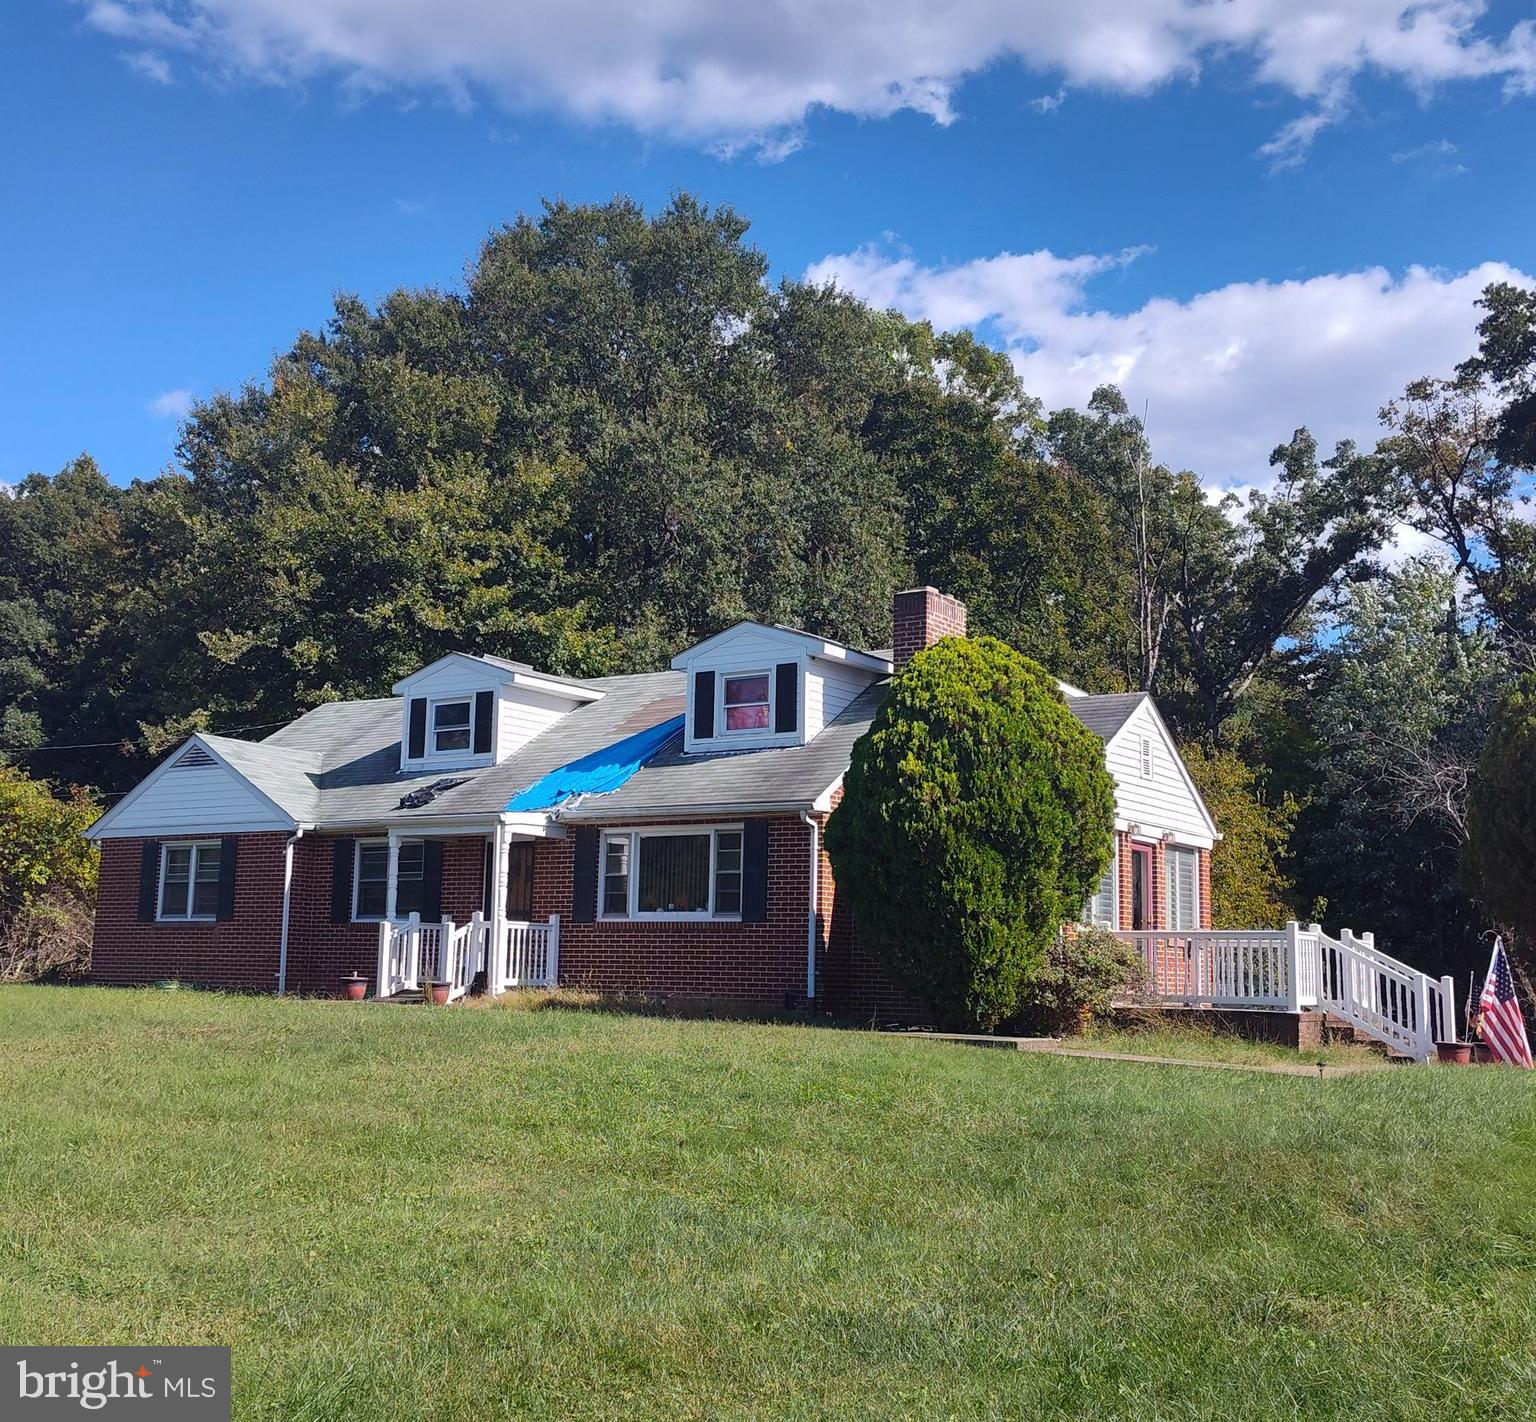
405,1213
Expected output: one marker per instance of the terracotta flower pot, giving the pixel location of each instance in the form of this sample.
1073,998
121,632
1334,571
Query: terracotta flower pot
1481,1052
439,994
356,988
1454,1053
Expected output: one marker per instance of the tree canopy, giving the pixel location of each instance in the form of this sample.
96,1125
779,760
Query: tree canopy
618,435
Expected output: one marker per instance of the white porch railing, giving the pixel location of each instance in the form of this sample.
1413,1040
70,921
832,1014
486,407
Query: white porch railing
1299,967
413,954
526,955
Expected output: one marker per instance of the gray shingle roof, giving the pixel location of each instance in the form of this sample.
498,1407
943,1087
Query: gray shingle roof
1104,715
357,745
339,764
778,777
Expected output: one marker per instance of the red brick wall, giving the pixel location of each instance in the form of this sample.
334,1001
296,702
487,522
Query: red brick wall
240,954
243,953
761,963
1205,889
920,617
321,953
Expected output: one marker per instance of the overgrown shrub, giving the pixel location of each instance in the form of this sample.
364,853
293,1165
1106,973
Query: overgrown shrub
1084,974
976,819
47,878
47,939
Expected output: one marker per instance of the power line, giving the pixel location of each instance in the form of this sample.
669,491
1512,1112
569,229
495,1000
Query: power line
125,741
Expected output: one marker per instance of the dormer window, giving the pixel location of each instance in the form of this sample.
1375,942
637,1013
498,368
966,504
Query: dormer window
745,702
452,726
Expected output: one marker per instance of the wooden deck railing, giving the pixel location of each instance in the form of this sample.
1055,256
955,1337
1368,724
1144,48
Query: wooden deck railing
1299,967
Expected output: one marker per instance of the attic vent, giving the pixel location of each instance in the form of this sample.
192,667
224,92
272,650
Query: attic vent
428,793
193,758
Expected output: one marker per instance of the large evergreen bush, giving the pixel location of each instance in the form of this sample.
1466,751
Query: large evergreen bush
977,817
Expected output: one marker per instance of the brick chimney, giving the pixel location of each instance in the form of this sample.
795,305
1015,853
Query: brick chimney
921,616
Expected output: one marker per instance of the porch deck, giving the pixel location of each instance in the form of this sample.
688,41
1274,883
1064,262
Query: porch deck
1299,968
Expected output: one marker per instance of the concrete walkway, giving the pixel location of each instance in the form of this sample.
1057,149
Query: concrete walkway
1057,1047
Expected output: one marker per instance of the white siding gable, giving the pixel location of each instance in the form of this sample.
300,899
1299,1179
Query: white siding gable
742,651
191,793
1152,789
827,677
524,703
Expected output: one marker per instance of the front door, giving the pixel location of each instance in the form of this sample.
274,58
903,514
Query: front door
1141,886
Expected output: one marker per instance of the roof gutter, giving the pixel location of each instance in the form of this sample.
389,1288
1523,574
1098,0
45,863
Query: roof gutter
600,813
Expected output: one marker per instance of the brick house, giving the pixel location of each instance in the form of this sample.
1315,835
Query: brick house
490,825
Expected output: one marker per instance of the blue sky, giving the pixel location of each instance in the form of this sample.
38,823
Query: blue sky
1248,232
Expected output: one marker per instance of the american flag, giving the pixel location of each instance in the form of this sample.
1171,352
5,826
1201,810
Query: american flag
1499,1019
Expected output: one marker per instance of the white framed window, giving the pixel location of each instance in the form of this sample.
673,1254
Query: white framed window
1182,867
672,873
451,730
1144,749
1103,909
189,881
746,702
370,879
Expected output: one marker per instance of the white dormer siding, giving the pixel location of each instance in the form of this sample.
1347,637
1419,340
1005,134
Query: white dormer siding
463,712
1153,791
754,686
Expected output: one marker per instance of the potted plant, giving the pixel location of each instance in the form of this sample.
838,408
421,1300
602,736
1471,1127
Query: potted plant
437,991
355,985
1454,1053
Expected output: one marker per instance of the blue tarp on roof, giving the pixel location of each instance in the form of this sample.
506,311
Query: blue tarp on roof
594,774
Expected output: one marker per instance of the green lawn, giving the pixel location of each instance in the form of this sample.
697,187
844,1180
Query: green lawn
478,1213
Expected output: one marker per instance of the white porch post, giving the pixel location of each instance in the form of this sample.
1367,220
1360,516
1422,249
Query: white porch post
393,883
1447,1009
1292,966
552,970
500,856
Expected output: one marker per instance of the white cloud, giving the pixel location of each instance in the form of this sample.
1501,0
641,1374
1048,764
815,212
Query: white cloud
149,64
171,404
1226,374
742,76
409,207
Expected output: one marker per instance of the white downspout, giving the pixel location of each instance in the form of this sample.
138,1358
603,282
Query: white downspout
282,942
813,912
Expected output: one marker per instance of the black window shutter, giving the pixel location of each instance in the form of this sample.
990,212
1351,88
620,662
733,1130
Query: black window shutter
418,742
484,702
754,871
342,855
584,876
703,705
432,881
487,891
149,879
786,697
229,847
